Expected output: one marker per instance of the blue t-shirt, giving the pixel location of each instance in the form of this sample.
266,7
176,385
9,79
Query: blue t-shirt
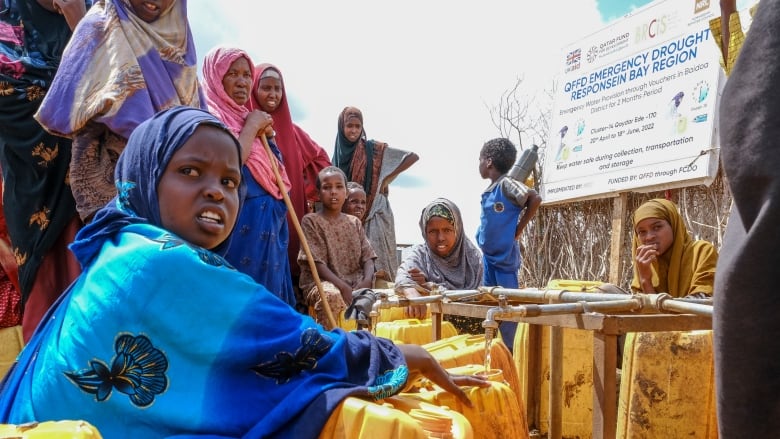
502,204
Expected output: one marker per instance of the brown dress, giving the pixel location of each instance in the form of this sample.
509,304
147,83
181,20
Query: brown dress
339,243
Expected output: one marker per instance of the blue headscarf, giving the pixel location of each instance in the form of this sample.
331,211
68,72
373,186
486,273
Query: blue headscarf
138,172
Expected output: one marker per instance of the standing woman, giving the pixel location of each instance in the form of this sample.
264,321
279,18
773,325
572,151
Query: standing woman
303,157
127,60
261,236
374,165
39,207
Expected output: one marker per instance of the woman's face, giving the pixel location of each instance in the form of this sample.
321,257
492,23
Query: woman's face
356,203
269,94
238,81
440,236
352,129
657,232
198,192
150,10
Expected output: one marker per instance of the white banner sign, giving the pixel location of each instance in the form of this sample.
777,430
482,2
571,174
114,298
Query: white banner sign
635,106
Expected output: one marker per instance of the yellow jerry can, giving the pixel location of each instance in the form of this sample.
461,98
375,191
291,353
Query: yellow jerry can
50,430
668,386
413,331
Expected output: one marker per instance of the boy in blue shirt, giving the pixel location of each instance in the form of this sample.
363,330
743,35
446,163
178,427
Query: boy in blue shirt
507,207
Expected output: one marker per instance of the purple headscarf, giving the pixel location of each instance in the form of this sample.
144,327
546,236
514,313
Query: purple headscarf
119,70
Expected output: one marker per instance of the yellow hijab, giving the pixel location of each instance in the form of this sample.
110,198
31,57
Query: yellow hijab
688,266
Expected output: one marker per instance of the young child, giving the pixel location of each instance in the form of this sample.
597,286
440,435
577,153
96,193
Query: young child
154,251
342,254
356,200
507,207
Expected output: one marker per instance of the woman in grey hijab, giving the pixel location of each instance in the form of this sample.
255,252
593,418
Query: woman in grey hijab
446,258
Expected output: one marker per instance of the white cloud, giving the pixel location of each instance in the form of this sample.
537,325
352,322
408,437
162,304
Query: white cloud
423,72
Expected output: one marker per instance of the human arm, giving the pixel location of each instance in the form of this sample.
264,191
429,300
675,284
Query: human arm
72,10
408,160
256,122
418,360
369,268
408,276
531,206
415,311
326,274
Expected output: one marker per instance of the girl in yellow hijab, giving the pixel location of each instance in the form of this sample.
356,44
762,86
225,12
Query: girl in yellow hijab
666,258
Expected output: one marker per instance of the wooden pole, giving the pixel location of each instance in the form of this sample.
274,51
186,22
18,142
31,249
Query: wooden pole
616,244
304,242
555,409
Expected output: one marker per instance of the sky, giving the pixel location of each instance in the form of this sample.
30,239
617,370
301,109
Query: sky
424,73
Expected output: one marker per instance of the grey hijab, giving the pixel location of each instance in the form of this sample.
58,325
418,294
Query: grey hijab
461,269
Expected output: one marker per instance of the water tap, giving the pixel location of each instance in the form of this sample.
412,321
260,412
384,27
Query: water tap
490,324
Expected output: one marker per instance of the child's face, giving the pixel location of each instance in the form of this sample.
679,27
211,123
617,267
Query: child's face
656,232
238,81
333,191
269,94
356,203
352,129
440,236
198,192
150,10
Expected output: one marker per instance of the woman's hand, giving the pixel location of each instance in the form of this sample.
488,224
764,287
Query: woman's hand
415,311
645,255
259,122
417,276
420,361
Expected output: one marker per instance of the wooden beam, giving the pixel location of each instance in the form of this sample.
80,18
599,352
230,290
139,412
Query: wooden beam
618,232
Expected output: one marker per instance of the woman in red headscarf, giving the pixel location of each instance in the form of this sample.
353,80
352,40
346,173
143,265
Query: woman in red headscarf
303,157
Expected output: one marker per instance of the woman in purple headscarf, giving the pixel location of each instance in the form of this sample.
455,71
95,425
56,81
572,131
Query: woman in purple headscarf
127,60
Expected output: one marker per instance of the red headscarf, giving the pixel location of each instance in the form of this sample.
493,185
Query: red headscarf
215,65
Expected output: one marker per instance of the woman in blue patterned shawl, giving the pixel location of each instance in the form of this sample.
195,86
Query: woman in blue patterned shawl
160,337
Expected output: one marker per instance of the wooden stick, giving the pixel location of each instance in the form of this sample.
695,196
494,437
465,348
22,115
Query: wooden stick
304,242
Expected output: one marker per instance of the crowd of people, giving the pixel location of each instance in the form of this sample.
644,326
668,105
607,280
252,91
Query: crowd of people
132,189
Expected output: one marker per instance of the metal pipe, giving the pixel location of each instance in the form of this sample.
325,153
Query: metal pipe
534,310
683,307
534,295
